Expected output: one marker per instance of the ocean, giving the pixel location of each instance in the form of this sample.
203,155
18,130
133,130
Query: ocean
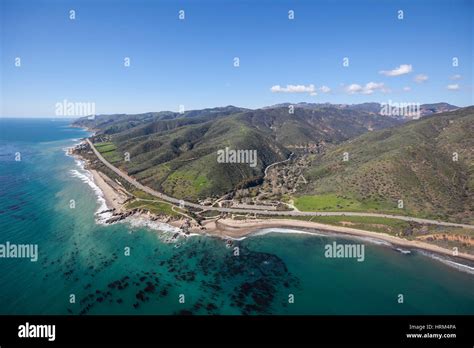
82,266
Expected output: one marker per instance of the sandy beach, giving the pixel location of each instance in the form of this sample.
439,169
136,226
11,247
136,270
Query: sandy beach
241,228
115,196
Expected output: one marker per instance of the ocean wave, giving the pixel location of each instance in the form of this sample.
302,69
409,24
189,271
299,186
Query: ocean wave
69,148
167,231
138,221
321,234
403,251
236,238
285,231
167,234
459,266
87,178
374,240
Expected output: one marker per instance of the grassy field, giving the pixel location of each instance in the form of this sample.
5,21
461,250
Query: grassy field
105,147
333,202
186,184
109,151
143,195
157,207
154,207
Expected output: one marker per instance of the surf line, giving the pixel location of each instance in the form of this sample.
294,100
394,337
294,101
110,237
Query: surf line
24,251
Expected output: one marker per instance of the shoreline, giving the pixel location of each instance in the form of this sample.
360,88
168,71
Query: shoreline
116,197
244,228
227,228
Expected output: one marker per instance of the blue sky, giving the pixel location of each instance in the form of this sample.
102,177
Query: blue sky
190,62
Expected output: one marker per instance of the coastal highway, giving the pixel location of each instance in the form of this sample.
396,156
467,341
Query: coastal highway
261,212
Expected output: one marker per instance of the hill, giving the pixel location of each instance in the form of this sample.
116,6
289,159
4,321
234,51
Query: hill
412,162
371,108
177,153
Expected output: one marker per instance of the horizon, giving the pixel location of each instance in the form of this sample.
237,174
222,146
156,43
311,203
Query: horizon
215,107
133,57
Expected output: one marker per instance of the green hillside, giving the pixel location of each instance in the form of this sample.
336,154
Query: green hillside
412,162
177,153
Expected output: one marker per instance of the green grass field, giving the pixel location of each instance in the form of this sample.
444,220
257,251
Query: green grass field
333,202
109,151
105,147
154,207
143,195
185,184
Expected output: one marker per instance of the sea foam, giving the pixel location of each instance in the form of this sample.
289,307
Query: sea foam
285,231
87,178
134,221
459,266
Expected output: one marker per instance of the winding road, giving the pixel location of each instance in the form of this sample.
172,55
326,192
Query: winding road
262,212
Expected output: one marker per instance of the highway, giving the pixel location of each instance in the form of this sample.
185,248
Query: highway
258,211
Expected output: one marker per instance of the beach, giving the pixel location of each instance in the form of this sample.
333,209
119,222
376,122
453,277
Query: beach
227,228
240,228
114,196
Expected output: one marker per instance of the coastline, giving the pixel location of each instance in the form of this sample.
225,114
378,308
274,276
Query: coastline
242,228
227,228
115,198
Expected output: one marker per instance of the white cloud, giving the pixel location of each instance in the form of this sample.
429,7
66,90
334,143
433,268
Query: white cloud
456,77
420,78
407,89
453,87
293,89
401,70
354,88
369,88
325,89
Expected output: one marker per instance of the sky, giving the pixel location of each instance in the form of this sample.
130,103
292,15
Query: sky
191,62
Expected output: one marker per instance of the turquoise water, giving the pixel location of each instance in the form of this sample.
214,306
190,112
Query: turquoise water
78,256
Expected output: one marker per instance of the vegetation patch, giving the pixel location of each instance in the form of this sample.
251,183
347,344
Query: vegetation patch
158,208
334,202
185,184
109,151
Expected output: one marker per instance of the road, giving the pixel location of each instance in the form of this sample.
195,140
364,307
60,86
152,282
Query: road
276,163
262,212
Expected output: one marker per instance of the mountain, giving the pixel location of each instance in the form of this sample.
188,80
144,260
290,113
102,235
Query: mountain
307,125
177,153
412,162
424,109
429,109
110,124
374,108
